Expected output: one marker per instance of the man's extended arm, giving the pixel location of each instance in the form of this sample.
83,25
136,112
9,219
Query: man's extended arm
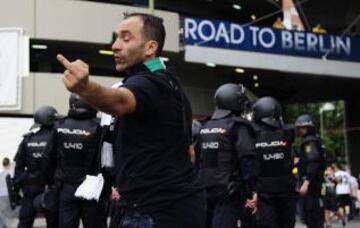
110,100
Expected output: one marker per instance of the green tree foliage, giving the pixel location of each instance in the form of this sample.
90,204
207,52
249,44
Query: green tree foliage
333,139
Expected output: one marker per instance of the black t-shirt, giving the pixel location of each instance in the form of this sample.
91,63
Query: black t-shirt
153,166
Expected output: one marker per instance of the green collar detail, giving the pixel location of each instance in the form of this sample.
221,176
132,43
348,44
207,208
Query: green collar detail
154,64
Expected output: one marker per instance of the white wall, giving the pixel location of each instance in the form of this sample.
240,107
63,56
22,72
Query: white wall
56,95
48,89
92,21
272,61
18,13
11,131
76,20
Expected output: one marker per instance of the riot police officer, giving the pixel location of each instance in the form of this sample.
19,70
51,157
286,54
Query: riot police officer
74,153
28,173
311,169
275,181
227,161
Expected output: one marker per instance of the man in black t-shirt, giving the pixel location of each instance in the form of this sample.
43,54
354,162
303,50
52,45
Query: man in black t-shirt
155,177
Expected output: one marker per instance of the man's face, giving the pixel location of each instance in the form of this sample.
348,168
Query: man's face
302,131
329,171
129,46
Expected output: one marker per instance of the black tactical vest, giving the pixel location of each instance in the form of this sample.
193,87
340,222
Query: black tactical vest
274,152
217,157
35,144
76,145
306,157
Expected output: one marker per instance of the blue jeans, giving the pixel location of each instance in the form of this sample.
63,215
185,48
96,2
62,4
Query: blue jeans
184,213
136,220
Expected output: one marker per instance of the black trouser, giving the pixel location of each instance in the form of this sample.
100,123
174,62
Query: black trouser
223,211
314,214
28,213
115,215
276,211
72,209
188,212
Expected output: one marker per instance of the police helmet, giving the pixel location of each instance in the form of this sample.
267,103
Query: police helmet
230,97
305,120
268,110
79,106
45,115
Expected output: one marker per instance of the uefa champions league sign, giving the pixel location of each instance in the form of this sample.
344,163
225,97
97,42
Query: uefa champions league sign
223,34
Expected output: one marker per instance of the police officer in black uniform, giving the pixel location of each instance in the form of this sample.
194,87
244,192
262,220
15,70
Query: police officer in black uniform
73,153
28,172
275,181
311,169
227,161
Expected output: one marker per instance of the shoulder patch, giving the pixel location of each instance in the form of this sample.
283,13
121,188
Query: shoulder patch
308,148
27,134
249,125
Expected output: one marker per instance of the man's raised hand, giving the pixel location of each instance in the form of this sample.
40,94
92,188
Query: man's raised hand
76,74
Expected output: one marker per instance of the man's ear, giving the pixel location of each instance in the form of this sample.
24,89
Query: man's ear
151,47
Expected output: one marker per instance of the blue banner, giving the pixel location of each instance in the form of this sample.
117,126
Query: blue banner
223,34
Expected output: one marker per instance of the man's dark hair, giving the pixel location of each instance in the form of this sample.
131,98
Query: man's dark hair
153,29
6,162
